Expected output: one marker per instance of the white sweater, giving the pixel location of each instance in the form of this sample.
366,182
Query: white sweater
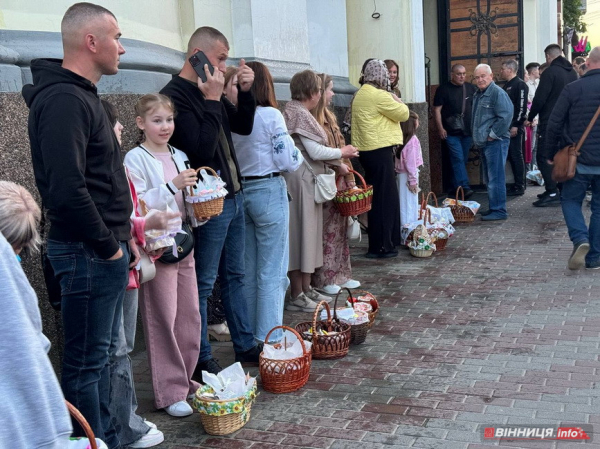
147,177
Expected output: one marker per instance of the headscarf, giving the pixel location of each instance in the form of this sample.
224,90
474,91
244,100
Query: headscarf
300,121
376,74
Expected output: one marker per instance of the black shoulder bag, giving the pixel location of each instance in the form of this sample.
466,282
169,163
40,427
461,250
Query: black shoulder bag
184,242
456,122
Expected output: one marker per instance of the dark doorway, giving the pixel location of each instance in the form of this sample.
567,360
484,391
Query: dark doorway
472,32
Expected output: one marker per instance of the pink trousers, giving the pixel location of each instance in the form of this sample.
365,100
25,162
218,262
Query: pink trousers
171,318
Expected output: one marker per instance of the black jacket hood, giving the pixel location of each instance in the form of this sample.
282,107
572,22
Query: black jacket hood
563,63
47,72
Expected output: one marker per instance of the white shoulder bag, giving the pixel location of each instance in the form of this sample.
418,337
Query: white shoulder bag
325,187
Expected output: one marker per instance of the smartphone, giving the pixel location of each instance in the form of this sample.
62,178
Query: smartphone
198,60
188,165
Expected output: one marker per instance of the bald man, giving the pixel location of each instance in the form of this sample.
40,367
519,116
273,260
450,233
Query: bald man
573,111
203,125
80,176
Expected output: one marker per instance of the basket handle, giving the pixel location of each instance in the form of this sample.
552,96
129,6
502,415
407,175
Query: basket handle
89,433
304,351
460,189
426,214
362,180
426,201
335,318
316,315
214,173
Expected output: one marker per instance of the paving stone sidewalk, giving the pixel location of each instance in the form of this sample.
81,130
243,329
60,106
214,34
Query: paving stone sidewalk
494,330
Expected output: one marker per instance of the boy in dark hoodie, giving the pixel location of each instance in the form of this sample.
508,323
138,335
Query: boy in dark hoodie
559,73
81,179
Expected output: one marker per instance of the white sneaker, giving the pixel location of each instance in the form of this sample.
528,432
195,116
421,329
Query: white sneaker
179,409
152,438
150,424
330,289
317,297
351,283
301,302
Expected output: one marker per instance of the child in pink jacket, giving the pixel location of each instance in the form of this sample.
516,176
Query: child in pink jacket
407,163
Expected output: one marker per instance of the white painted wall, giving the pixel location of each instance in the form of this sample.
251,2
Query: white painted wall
155,21
327,36
397,34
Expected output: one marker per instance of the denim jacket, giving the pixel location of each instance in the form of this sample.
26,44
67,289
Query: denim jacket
492,115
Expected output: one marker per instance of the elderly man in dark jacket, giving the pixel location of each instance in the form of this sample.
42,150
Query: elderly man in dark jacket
571,115
559,73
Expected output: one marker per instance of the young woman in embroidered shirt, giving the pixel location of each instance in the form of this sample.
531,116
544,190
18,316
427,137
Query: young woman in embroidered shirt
168,303
263,155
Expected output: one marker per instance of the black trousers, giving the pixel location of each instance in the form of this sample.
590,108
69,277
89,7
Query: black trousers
516,159
384,216
542,162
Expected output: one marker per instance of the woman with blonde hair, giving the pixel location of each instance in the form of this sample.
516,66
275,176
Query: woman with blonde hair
19,217
306,216
336,271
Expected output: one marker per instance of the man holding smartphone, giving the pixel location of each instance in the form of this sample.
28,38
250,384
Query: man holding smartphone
203,126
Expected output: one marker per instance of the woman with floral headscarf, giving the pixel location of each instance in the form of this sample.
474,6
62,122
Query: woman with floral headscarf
376,114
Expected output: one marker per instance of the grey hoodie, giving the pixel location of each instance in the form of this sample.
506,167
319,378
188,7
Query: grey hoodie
33,414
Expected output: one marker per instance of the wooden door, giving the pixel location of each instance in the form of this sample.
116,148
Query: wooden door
480,31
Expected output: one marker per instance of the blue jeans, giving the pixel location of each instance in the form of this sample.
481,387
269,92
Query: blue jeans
92,305
459,147
130,427
220,247
571,199
267,253
494,155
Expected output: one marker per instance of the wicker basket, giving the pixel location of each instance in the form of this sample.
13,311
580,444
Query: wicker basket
89,433
226,415
285,376
358,332
354,201
372,300
421,252
440,244
326,346
462,214
210,208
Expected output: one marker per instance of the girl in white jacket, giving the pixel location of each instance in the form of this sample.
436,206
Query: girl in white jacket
169,302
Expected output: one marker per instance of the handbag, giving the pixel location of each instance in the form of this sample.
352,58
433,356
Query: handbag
456,122
52,284
353,231
147,269
184,243
565,161
325,186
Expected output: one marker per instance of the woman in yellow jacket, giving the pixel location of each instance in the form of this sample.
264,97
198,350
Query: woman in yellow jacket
376,115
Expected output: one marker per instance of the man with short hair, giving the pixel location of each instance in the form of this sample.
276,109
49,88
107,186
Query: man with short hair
80,176
533,70
492,117
203,125
553,79
574,109
452,107
517,91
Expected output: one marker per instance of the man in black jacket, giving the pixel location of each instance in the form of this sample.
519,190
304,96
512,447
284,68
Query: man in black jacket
80,176
572,114
517,91
552,81
203,126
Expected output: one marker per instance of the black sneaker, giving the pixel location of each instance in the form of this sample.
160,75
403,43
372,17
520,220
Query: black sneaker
211,365
251,355
517,191
483,213
544,194
468,193
551,200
